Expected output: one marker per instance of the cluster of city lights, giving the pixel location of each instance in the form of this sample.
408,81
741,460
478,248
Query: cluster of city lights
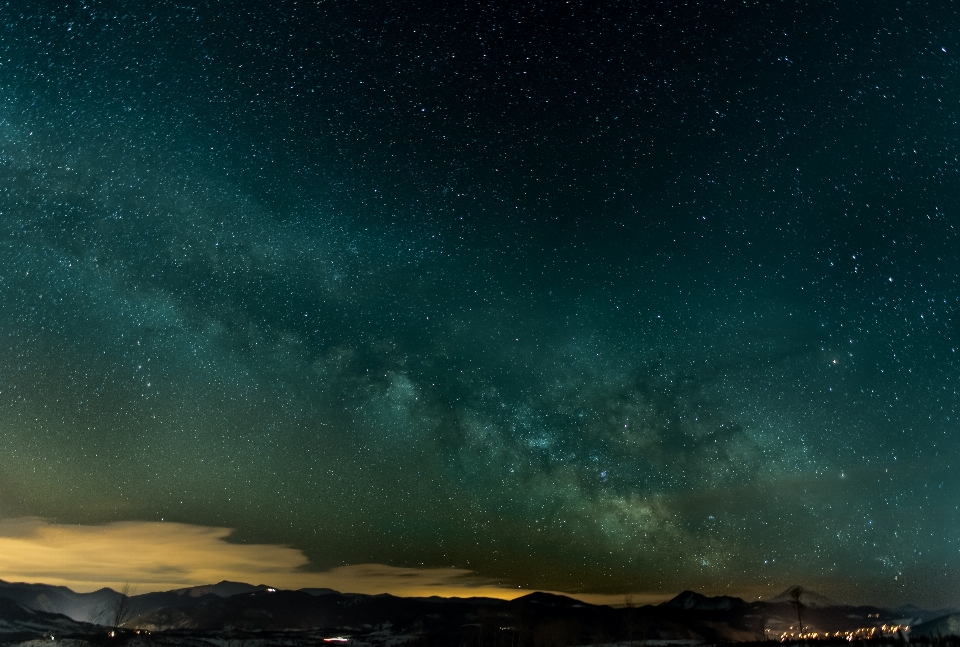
861,633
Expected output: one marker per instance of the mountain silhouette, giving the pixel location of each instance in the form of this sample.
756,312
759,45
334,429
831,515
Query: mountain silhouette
226,608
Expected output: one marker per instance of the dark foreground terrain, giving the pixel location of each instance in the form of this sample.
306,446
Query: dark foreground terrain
240,615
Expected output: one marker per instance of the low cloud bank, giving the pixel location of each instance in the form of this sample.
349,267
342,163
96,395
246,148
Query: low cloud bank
162,556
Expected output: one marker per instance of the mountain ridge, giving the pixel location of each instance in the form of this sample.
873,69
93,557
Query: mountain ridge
236,606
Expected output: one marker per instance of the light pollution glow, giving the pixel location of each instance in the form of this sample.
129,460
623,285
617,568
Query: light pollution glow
162,556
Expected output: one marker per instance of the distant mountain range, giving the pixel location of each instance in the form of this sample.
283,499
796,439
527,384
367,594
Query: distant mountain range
94,607
39,610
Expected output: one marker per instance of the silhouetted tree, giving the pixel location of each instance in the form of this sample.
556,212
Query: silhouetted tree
795,594
763,632
122,609
629,619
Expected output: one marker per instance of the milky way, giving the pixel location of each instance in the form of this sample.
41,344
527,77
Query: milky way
583,297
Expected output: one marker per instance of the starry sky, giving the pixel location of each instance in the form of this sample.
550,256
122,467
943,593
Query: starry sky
598,297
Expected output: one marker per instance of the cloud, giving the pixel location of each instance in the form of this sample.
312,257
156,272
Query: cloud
163,556
154,556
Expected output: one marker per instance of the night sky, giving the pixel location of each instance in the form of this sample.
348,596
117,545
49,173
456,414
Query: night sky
596,297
